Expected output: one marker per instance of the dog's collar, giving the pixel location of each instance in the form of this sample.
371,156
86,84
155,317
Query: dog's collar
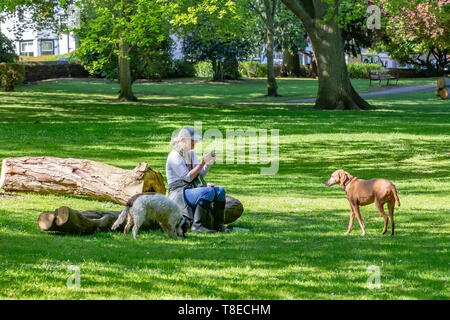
346,183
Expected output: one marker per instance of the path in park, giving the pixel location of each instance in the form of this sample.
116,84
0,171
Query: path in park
405,89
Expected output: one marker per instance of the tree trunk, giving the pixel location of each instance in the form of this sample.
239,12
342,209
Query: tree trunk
126,91
217,67
67,220
291,63
272,88
335,89
125,79
50,175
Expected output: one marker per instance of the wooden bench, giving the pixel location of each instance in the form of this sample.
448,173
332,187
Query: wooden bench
378,75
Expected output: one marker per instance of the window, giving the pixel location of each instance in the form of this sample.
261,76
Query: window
46,47
26,48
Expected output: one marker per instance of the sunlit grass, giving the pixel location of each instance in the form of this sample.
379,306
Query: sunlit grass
295,247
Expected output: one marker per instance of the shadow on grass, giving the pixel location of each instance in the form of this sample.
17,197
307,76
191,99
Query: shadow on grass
296,257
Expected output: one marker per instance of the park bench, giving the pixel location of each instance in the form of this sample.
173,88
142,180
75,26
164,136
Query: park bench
378,75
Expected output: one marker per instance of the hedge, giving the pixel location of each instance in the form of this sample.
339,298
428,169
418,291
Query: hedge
362,70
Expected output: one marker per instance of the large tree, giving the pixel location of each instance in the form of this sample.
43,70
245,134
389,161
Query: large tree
128,24
290,38
99,53
335,89
266,10
222,54
214,30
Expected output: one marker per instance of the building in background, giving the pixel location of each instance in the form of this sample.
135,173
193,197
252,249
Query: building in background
37,43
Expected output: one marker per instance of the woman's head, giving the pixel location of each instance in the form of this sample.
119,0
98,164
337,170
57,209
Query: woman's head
186,139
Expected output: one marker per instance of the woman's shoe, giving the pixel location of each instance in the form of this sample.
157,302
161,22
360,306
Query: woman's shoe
219,216
201,217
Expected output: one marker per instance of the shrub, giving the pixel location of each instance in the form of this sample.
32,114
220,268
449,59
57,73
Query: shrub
362,70
11,74
252,69
182,69
7,53
203,69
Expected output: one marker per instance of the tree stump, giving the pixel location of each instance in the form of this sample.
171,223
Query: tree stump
443,93
50,175
443,84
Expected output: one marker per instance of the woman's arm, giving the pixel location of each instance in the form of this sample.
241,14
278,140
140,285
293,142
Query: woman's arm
206,166
197,169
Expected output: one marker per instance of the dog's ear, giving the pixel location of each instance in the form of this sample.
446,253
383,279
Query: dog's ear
342,177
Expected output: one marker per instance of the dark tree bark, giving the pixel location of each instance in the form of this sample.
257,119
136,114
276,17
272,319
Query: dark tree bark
217,67
270,9
335,89
268,18
291,63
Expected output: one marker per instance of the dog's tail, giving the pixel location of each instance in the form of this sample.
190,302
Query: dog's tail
394,192
121,218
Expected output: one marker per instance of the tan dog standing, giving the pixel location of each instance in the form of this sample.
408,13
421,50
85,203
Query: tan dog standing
363,192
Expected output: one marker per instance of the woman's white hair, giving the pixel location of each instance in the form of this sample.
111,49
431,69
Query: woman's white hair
183,146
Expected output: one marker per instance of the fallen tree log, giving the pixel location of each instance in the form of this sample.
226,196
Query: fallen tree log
68,220
51,175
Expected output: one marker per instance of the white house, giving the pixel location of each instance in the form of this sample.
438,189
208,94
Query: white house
37,43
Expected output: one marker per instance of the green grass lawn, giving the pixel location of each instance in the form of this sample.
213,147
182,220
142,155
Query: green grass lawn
202,91
295,247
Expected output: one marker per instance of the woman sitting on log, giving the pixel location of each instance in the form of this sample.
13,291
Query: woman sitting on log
187,187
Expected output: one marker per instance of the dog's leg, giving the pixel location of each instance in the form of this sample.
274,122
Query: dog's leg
380,208
391,205
350,223
128,225
358,216
139,220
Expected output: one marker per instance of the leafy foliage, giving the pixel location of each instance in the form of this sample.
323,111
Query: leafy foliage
362,70
7,53
222,54
215,31
145,29
417,32
253,69
11,75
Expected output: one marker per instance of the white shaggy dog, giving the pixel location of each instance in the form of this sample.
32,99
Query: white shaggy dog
156,207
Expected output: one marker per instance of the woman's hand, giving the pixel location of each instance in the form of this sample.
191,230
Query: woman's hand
209,158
